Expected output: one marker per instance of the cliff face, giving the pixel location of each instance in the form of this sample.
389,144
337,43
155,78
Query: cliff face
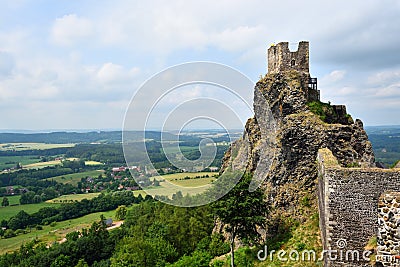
281,142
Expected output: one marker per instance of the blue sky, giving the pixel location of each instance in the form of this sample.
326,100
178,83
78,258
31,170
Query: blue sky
77,64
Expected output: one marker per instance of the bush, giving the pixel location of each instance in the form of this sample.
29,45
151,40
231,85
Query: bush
244,257
9,233
197,259
19,232
217,263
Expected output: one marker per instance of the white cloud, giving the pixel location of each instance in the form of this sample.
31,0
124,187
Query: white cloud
384,77
334,76
101,55
70,28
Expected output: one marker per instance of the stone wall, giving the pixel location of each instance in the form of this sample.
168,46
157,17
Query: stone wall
348,205
388,239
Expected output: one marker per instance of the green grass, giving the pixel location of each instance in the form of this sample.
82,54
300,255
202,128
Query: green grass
180,179
13,200
171,183
7,212
74,178
72,198
175,149
39,165
11,161
31,146
53,234
182,175
194,182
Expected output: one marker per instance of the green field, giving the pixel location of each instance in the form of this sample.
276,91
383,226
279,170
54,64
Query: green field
182,175
74,178
167,149
11,161
53,234
39,165
7,212
193,182
31,146
72,198
169,183
179,178
13,200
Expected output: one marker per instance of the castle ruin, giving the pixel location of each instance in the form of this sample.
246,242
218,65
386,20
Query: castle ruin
280,58
303,146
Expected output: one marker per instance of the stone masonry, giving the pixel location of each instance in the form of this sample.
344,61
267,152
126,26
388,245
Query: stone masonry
388,239
348,206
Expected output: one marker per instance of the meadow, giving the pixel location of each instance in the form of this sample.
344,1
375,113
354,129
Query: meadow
13,200
74,178
39,165
9,211
73,198
31,146
11,161
55,233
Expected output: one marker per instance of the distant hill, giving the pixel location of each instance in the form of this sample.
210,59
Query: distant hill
385,142
75,137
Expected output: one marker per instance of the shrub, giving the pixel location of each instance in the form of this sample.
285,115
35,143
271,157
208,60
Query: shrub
9,233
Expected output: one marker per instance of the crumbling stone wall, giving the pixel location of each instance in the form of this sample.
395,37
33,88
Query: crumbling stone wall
388,238
348,206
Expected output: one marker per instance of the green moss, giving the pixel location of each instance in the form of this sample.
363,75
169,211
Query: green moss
321,109
328,114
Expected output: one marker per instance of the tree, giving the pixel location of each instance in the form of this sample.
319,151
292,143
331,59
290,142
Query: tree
5,202
241,211
82,263
120,213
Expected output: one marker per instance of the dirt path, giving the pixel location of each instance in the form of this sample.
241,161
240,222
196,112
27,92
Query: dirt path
115,225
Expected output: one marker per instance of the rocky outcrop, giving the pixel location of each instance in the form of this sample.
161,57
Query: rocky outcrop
280,144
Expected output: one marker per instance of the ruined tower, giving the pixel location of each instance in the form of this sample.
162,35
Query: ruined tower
280,58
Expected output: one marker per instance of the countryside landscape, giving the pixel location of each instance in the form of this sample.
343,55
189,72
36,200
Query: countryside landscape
199,133
43,177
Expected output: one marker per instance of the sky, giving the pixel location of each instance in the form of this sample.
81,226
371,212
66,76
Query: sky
77,64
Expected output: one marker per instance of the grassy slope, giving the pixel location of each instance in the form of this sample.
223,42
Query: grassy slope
74,178
31,146
8,212
11,161
73,197
51,234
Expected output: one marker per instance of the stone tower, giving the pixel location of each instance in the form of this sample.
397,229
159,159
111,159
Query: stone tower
280,58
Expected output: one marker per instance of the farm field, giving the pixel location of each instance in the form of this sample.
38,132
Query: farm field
39,165
51,234
74,178
9,211
13,200
92,163
31,146
7,162
193,182
182,175
72,198
191,186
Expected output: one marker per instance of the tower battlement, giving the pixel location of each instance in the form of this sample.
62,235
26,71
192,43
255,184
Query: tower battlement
280,58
